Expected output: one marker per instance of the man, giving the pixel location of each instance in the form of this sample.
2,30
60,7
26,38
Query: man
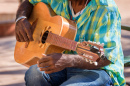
97,20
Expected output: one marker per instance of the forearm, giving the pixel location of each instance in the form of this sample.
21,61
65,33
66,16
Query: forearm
79,62
25,9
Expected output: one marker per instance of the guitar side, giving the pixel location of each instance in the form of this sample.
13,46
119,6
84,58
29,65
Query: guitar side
58,25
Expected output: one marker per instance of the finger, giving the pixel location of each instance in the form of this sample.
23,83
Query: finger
34,25
30,35
50,54
26,44
23,33
32,30
51,71
27,28
20,37
17,37
44,59
43,55
50,68
45,64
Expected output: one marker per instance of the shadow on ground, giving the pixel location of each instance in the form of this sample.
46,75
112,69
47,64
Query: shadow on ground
13,72
16,84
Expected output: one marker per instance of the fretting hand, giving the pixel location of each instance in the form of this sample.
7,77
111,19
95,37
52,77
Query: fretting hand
54,62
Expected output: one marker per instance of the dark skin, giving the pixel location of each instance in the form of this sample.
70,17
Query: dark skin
57,61
25,32
23,27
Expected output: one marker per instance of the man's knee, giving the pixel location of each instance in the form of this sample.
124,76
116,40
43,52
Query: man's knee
34,77
33,73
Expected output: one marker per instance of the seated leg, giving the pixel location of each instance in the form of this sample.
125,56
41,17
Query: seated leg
82,77
35,77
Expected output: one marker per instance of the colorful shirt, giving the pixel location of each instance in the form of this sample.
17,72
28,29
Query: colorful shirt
100,22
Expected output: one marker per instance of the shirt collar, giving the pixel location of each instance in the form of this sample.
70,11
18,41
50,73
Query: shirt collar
93,4
85,15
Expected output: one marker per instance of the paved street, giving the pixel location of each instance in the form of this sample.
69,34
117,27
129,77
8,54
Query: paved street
12,73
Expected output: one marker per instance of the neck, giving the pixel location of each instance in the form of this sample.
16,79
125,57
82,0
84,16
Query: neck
78,5
78,2
61,42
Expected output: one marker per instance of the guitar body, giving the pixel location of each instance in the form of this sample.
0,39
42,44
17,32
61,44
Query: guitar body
57,25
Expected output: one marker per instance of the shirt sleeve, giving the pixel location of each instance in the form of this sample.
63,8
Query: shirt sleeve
56,5
36,1
108,31
45,1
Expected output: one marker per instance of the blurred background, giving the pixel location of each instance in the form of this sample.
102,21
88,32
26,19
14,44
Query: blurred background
12,73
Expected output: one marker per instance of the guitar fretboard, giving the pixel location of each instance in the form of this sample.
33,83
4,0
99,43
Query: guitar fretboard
61,41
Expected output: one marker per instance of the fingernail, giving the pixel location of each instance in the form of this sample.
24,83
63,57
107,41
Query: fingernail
43,54
37,62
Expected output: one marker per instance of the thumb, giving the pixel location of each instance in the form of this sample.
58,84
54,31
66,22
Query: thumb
44,55
34,25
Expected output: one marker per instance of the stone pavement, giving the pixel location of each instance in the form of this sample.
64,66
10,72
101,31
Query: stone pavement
11,73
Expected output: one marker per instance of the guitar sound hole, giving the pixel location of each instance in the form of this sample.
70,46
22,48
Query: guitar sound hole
44,37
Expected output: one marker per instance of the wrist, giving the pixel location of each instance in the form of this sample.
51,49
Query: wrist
76,61
20,18
70,59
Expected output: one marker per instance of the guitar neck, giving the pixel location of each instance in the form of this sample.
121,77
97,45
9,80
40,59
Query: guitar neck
61,41
81,48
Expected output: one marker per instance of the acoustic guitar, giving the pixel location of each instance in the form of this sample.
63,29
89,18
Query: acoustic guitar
54,34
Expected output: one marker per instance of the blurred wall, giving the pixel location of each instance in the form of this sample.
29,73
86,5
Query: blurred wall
8,10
